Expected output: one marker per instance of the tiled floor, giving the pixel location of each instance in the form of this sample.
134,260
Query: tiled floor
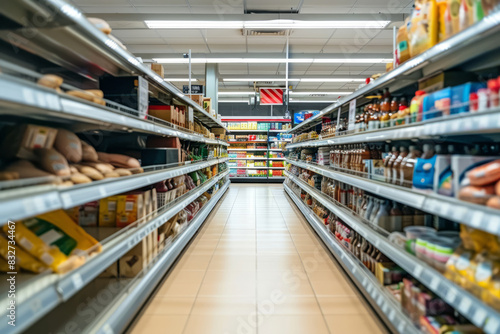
257,267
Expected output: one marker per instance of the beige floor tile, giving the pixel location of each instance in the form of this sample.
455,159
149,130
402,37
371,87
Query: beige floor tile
149,323
350,323
279,262
287,282
221,324
317,261
224,305
234,262
289,305
183,283
193,262
329,284
228,283
170,305
343,305
294,324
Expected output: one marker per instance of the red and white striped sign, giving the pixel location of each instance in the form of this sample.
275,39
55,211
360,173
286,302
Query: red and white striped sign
270,96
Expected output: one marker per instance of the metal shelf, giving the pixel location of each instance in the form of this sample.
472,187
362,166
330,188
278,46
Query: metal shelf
72,42
458,49
22,98
247,142
453,125
467,304
26,202
381,299
248,159
232,167
247,149
47,291
115,319
476,216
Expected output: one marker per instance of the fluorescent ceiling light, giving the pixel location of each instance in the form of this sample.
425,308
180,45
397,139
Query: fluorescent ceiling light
319,93
267,24
312,101
180,79
256,79
232,101
272,60
236,93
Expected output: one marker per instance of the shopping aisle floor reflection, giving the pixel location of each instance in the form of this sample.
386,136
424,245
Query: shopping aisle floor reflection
257,267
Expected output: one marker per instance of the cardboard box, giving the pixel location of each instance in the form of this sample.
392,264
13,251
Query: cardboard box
190,115
207,104
112,271
130,91
89,214
158,68
22,139
166,113
181,116
154,201
135,260
148,204
218,131
162,142
129,208
107,211
198,98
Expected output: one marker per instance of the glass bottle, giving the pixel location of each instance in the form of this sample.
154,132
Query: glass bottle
385,108
403,153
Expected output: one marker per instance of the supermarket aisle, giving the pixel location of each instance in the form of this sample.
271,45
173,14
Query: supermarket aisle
257,267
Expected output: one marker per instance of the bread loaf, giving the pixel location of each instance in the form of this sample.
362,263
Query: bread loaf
52,161
82,95
69,145
90,172
103,168
89,153
25,169
119,160
123,172
50,81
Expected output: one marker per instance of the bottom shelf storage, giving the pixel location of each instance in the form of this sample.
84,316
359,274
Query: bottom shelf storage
380,298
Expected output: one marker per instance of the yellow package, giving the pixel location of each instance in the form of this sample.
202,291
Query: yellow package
423,32
402,43
107,211
477,240
443,29
54,238
454,9
22,258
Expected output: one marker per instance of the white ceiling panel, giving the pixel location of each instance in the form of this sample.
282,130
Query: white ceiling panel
309,41
380,41
355,33
341,73
308,33
127,24
107,9
329,3
100,2
274,48
332,85
307,85
384,49
222,33
356,41
232,67
386,33
142,40
163,9
266,40
215,10
170,33
344,49
306,9
385,5
227,48
135,33
152,48
183,48
158,2
297,48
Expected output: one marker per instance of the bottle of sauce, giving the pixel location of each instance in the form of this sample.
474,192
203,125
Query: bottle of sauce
403,111
390,163
415,105
382,219
396,218
408,166
385,117
394,111
376,207
387,94
403,153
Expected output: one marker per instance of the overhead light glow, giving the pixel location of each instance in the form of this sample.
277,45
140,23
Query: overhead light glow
179,79
232,101
255,79
272,60
267,24
331,80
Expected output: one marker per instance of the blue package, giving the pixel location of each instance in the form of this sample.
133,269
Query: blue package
460,96
428,109
423,173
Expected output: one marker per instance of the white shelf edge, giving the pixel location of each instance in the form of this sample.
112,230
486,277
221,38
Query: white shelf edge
64,287
476,216
427,275
379,297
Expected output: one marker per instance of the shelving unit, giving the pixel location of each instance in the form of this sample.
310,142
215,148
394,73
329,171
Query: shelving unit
268,142
69,46
471,307
376,294
471,52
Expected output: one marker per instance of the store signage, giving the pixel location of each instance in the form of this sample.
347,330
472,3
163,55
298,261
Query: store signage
195,89
352,114
271,96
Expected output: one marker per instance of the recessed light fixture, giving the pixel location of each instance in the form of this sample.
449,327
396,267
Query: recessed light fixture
272,60
332,80
266,24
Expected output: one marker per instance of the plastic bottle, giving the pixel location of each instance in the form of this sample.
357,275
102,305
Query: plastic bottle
376,207
415,105
408,216
385,117
382,219
390,164
397,165
396,216
408,166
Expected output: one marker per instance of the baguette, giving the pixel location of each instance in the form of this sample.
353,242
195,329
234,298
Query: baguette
5,176
82,95
90,172
119,160
50,81
112,174
123,172
79,178
137,170
96,92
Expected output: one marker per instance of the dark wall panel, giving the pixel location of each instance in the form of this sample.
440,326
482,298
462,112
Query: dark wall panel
243,109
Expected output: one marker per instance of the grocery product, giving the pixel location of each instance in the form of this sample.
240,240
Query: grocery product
55,240
107,211
88,152
423,32
20,141
129,208
119,160
23,259
52,161
50,80
100,24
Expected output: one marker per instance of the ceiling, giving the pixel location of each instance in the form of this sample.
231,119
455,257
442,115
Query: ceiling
126,18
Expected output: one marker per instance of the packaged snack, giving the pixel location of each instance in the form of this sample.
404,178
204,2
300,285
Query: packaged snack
89,214
129,208
107,211
485,174
23,259
55,240
423,32
403,50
